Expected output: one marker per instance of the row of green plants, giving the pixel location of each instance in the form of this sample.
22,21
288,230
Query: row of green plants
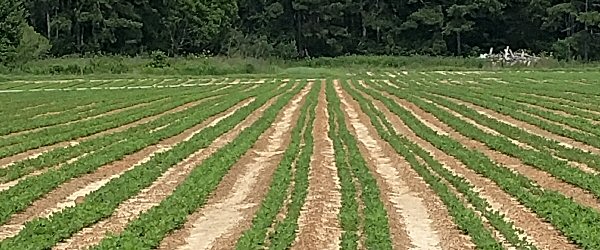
61,155
578,123
26,191
28,105
561,83
541,158
26,123
151,227
579,113
51,135
46,232
442,181
352,167
350,214
576,221
517,112
575,102
516,133
294,167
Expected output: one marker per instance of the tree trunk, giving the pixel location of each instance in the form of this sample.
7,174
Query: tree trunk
48,30
586,45
458,45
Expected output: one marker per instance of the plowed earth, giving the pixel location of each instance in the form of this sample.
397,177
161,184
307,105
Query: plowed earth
416,106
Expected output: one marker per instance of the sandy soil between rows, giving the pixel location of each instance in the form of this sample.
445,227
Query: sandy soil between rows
8,185
527,127
159,190
544,179
68,193
544,235
231,207
408,212
111,112
318,224
34,153
490,131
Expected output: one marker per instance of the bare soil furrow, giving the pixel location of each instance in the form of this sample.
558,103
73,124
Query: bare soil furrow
565,141
34,153
230,209
544,235
563,101
565,126
483,128
318,224
488,130
556,112
159,190
410,220
544,179
115,111
493,207
7,185
47,114
563,113
73,191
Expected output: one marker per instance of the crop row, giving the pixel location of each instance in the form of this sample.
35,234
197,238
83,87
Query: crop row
515,112
294,167
67,114
541,158
52,135
535,141
433,173
60,155
572,121
20,196
353,170
151,227
102,202
574,220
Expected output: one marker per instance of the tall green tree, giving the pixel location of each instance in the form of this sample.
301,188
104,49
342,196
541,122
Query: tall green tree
579,23
287,28
12,18
191,25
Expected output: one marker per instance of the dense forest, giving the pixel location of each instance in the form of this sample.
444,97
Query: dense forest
569,29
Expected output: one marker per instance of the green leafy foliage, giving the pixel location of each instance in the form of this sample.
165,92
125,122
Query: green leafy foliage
12,19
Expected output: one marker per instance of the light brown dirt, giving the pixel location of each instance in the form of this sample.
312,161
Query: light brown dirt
282,214
565,100
544,179
33,107
112,112
72,199
47,114
481,127
7,161
63,193
7,185
544,235
556,112
159,190
414,220
318,224
492,207
527,127
565,126
488,130
231,207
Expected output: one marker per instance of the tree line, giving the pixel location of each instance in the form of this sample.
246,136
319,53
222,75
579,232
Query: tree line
569,29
